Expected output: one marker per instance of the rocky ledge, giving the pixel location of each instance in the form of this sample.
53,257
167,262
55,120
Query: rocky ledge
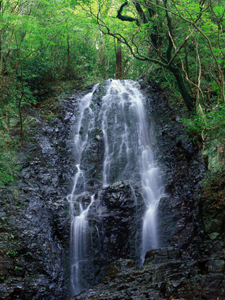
164,275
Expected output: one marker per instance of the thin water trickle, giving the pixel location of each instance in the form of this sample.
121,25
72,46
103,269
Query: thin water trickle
79,245
120,116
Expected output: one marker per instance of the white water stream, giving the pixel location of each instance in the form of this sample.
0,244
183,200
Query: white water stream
127,156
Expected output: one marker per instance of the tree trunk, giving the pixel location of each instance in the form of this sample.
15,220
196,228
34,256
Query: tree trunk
186,59
21,117
1,25
118,61
189,101
67,75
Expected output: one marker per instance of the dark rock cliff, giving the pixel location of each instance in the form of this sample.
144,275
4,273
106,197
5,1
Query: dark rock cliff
191,262
35,223
34,220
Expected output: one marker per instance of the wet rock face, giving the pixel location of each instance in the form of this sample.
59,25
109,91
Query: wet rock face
164,275
34,219
35,222
113,232
34,214
119,121
108,143
191,227
182,169
116,224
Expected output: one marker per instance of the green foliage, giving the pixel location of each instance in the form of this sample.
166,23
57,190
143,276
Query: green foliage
9,119
12,252
211,128
7,163
214,189
211,125
47,42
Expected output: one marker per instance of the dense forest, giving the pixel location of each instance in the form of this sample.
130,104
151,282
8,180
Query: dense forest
49,46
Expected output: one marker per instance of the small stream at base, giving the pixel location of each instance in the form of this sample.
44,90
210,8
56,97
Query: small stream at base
116,112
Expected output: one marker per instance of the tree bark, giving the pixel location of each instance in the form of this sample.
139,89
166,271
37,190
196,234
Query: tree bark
125,18
21,117
140,12
67,70
118,61
188,99
1,16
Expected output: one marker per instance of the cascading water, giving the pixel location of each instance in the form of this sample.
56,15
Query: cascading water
77,211
114,113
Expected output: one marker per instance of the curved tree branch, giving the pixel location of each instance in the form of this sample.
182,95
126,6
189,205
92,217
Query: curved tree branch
189,100
125,18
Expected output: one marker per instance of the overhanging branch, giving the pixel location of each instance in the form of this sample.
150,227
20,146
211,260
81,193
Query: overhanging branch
125,18
105,30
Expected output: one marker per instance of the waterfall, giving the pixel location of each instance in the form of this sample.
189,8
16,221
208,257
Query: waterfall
78,213
113,114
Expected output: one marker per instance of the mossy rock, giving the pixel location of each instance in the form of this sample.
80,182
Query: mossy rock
213,225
